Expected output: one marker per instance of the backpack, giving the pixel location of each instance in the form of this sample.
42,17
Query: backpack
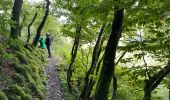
48,41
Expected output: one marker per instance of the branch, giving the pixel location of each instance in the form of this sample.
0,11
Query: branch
157,78
21,25
29,26
123,54
98,65
147,72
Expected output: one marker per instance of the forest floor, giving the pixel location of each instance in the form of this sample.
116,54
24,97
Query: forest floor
53,84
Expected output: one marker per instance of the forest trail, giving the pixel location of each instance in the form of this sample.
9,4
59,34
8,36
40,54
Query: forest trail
53,85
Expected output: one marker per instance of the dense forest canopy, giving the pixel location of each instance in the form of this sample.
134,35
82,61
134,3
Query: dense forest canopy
105,49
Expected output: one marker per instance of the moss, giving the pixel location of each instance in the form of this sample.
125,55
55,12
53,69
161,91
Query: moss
3,96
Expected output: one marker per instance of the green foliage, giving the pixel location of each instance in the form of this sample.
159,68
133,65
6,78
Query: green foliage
17,90
25,74
3,96
19,78
5,21
21,67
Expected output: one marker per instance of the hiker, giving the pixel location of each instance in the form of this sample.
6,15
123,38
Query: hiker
48,43
42,43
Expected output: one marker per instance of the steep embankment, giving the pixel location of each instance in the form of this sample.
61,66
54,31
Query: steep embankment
22,75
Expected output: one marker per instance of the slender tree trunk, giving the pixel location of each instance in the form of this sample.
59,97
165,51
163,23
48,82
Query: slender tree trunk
114,95
92,81
37,37
15,17
21,26
73,55
95,57
29,26
107,70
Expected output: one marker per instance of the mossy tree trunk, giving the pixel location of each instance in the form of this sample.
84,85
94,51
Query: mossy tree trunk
107,70
73,55
154,81
16,11
40,27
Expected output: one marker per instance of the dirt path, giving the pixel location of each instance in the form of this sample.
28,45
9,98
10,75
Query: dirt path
53,85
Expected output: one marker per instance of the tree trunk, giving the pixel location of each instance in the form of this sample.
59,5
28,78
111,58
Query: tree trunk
21,26
37,37
73,55
147,90
107,70
95,57
114,95
29,26
169,94
15,17
154,81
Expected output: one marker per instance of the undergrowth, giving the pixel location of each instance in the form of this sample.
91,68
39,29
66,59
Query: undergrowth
62,51
22,74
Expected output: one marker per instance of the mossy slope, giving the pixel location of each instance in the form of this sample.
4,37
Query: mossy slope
22,74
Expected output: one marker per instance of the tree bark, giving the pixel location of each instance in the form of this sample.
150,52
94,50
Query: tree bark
16,11
147,90
87,88
169,94
114,95
154,81
37,37
29,26
73,55
107,70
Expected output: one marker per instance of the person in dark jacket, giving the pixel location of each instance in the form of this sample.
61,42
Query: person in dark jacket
48,43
